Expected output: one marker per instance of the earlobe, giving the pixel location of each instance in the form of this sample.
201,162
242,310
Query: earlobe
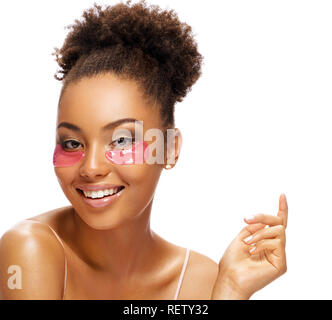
178,143
174,143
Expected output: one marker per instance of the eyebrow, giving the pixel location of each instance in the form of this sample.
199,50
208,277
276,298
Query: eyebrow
109,126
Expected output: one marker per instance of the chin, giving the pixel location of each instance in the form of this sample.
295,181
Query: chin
106,220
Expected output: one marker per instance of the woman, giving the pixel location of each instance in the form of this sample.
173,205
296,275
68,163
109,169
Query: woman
124,67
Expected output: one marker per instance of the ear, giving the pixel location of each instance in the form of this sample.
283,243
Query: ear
178,143
174,144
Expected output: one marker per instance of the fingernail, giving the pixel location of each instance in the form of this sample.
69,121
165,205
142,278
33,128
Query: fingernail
252,249
248,238
285,197
250,218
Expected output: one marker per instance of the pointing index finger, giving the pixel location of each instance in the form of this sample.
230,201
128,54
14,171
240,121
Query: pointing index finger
283,209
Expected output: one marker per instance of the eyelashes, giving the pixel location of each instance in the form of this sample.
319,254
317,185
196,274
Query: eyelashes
123,143
117,144
63,144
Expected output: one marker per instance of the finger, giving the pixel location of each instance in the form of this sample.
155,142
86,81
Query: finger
250,229
264,218
275,253
283,209
267,233
274,245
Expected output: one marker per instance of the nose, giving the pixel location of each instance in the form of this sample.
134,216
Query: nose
94,164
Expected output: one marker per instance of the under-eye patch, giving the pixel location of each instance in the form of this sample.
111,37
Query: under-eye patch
137,154
62,158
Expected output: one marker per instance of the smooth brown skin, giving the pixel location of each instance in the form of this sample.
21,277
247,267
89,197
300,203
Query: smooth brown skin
111,253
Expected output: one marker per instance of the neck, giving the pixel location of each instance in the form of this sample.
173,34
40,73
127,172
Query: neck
121,251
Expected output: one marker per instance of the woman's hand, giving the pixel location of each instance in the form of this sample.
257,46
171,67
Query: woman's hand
255,257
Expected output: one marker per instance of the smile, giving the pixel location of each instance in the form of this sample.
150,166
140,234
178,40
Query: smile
100,198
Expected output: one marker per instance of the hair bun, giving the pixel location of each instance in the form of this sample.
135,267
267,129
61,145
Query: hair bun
157,33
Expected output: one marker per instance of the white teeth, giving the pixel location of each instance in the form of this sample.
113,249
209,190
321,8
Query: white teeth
100,193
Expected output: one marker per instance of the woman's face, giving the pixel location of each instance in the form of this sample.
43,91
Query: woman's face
90,105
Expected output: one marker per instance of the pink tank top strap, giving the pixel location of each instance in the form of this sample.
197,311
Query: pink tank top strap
182,274
59,239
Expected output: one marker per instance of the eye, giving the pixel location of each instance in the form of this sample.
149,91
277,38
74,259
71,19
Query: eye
122,142
66,143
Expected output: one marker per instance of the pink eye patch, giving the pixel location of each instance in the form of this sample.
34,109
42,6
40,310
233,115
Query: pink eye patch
62,158
137,154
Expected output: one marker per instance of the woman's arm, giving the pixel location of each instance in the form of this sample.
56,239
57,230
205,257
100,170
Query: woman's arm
32,263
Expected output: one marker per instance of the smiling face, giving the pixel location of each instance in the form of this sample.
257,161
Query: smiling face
95,117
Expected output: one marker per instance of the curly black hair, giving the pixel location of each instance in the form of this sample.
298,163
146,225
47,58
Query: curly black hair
136,42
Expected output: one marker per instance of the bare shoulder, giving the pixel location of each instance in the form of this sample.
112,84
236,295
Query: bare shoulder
200,277
31,263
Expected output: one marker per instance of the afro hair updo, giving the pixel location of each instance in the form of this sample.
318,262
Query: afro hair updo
136,42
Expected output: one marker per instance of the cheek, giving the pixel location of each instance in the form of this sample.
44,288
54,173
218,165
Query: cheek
62,158
135,155
141,183
142,179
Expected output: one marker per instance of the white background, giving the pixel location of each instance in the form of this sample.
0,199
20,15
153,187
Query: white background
262,107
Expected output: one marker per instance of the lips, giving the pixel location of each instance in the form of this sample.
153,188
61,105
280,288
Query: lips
97,187
101,202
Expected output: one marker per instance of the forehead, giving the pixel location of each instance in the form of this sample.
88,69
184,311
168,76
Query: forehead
96,101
